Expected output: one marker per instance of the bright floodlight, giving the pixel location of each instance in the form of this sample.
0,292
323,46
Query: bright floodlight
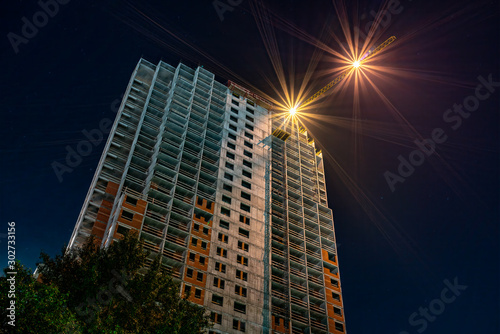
356,64
293,111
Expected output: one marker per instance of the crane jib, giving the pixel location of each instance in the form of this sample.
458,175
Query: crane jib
346,72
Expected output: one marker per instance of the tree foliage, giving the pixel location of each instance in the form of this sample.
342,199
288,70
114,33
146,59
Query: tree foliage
39,308
95,290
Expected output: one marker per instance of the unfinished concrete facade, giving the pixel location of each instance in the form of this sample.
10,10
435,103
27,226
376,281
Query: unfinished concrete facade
231,198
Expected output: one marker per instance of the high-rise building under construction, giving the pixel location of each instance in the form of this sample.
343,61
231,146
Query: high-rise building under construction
231,196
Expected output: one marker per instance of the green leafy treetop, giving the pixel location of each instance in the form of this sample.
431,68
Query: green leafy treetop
95,290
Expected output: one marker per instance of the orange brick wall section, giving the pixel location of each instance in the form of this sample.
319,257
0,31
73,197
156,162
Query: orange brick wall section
200,234
207,206
198,248
112,188
139,209
192,296
331,327
104,212
281,327
193,280
196,264
329,288
202,220
102,219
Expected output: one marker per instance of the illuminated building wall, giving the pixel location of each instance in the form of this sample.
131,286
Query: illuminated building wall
238,215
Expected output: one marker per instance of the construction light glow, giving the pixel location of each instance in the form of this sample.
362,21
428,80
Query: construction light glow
356,64
293,111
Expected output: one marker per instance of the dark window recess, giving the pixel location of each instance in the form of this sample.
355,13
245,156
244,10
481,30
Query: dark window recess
335,296
231,136
246,196
236,111
218,300
199,200
194,241
203,245
250,119
231,146
232,127
226,199
234,119
236,103
229,165
227,187
219,282
339,326
239,290
245,207
248,154
216,318
122,230
247,144
241,275
250,102
220,267
246,184
241,308
331,257
189,273
199,277
244,233
337,311
247,163
196,227
248,135
244,220
334,282
247,174
224,224
187,290
202,260
225,212
192,257
243,260
239,325
248,126
131,200
222,237
221,252
228,176
230,155
243,246
205,230
127,215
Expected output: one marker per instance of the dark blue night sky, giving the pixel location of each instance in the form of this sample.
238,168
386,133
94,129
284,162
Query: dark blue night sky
422,257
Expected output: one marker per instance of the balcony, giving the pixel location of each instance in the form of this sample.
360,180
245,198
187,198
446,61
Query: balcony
152,230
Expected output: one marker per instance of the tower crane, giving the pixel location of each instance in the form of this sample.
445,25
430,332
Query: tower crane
342,75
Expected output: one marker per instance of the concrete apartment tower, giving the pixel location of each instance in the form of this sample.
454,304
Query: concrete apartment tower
232,197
